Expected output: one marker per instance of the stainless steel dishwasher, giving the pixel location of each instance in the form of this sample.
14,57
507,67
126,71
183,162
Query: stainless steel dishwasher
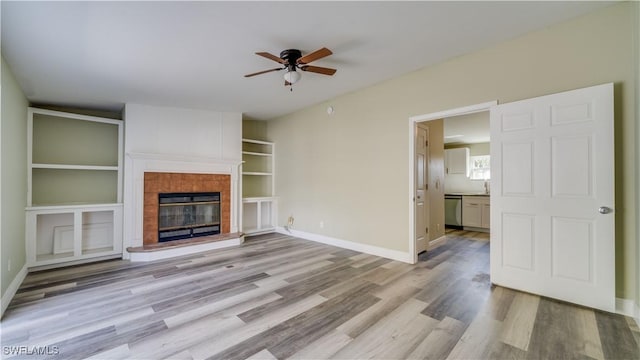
453,211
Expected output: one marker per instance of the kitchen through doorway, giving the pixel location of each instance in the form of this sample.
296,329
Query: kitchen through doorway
452,170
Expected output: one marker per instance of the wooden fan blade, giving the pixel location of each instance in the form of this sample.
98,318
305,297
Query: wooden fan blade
318,54
271,57
262,72
286,83
318,69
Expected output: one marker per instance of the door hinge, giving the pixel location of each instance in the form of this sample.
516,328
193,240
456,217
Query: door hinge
426,186
426,143
426,230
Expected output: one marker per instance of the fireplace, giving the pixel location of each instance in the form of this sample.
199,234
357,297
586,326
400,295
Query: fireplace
188,215
182,186
148,175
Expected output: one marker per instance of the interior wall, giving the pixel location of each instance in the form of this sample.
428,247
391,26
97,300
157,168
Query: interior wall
636,43
201,133
460,182
254,129
13,177
350,169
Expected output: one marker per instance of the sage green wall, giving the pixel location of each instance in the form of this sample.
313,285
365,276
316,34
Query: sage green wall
254,129
13,182
351,169
256,186
636,43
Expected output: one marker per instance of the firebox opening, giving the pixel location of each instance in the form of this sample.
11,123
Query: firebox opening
188,215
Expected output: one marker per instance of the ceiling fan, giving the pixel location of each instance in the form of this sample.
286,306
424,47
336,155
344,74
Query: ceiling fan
293,60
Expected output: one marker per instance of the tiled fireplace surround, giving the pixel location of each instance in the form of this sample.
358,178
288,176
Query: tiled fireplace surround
176,173
162,182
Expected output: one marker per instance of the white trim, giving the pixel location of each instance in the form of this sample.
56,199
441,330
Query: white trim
74,167
257,141
184,250
626,307
413,120
56,265
437,242
13,288
71,207
71,115
345,244
197,160
465,110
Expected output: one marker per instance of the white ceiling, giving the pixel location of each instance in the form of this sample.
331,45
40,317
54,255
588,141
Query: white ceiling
467,129
194,54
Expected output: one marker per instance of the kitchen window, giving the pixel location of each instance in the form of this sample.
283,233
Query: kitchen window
480,167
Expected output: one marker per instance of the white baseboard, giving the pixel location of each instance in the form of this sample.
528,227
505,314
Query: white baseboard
13,288
437,242
626,307
181,251
345,244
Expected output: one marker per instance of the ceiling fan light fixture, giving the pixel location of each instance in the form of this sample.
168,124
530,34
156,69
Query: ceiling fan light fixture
292,76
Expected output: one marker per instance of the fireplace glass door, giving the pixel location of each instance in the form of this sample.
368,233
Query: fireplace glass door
188,215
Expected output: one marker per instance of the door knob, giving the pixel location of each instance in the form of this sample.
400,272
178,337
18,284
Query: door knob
604,210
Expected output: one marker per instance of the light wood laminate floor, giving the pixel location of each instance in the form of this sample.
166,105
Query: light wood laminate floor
279,297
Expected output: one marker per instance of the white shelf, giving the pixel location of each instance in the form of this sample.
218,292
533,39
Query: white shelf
258,198
74,167
259,209
257,142
72,206
257,173
256,153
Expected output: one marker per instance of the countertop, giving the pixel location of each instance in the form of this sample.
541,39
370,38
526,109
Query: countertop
468,193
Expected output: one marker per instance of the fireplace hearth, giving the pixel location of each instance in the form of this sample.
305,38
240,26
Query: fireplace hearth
188,215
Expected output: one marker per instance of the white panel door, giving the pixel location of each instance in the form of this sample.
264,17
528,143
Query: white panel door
552,199
421,190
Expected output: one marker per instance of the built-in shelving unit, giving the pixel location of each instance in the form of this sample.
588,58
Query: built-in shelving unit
74,188
259,203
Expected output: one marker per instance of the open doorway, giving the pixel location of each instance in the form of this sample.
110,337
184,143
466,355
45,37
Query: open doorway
436,182
467,172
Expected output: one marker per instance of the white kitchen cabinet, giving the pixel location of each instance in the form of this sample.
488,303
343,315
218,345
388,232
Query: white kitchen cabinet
457,161
475,211
485,212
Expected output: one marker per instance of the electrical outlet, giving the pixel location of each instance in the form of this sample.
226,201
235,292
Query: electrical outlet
321,224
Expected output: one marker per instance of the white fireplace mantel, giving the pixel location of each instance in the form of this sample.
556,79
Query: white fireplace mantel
136,164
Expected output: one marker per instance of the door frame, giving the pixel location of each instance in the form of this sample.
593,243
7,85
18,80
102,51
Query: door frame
413,123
